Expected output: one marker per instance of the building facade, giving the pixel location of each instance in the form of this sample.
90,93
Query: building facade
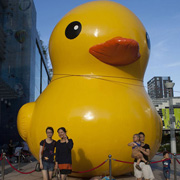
156,87
23,66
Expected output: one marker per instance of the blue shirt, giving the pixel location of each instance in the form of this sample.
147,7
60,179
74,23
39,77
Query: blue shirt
166,164
137,145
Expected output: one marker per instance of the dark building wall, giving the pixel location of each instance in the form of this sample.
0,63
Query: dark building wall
157,88
18,68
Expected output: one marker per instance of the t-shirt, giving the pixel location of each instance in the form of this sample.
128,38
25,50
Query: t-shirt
63,152
137,145
17,151
48,152
25,146
166,164
146,146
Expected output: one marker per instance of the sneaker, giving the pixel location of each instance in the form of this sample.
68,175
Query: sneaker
138,167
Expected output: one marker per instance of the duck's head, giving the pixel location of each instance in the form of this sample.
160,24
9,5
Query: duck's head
100,38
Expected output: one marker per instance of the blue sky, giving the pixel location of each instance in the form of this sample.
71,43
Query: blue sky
160,18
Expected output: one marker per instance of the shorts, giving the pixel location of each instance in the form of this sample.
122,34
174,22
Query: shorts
146,171
167,173
48,166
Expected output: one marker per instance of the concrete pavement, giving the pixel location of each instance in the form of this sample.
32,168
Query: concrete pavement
11,174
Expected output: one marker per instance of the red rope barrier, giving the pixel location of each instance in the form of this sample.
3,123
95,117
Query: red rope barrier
159,161
1,157
18,170
26,154
133,162
90,169
123,161
168,152
178,161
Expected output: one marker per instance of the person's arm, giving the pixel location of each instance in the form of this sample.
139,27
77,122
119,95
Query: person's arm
132,144
56,157
69,143
40,156
146,151
11,145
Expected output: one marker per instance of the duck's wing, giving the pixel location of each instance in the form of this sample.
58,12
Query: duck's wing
24,119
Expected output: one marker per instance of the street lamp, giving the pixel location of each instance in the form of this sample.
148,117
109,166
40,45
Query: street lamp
169,86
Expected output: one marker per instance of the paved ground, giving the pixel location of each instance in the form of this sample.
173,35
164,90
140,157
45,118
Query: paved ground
11,174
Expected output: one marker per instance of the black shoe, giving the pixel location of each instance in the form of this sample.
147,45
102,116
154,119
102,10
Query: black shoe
147,162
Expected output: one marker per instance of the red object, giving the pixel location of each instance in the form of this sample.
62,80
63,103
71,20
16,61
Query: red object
65,166
117,51
18,170
178,161
160,161
1,157
123,161
90,169
133,162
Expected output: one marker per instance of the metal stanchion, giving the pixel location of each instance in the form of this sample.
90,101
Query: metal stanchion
175,175
3,164
19,159
110,167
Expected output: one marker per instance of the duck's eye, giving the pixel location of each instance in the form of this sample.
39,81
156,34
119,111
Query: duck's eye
148,40
73,30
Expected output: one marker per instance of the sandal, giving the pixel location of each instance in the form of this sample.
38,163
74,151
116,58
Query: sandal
147,163
138,167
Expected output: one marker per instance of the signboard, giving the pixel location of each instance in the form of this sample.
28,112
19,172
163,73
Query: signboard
165,113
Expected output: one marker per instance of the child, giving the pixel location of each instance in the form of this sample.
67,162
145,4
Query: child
135,151
166,165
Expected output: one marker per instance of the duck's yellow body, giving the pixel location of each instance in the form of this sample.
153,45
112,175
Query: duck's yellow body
101,104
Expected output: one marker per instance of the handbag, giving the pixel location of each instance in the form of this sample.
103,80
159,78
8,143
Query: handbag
37,167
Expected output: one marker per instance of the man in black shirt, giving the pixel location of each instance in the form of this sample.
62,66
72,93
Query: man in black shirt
146,169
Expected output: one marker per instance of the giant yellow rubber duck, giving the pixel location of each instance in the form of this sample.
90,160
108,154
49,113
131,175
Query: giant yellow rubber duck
99,52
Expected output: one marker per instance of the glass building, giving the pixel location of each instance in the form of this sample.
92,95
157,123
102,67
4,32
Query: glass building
24,71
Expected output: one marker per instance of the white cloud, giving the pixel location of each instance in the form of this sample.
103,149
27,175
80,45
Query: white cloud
172,64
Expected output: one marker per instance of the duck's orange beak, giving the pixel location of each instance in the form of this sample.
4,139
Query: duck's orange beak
117,51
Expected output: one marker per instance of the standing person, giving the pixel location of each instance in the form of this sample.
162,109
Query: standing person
146,170
136,152
63,153
166,165
46,154
17,152
10,150
25,152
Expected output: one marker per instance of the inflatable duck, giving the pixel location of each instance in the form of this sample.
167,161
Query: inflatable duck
99,53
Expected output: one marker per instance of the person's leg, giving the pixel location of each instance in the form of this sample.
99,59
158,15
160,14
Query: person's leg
51,170
50,175
168,175
138,161
147,172
63,176
137,173
45,174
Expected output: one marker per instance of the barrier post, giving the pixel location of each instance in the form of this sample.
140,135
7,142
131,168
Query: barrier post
3,164
175,175
19,159
110,167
